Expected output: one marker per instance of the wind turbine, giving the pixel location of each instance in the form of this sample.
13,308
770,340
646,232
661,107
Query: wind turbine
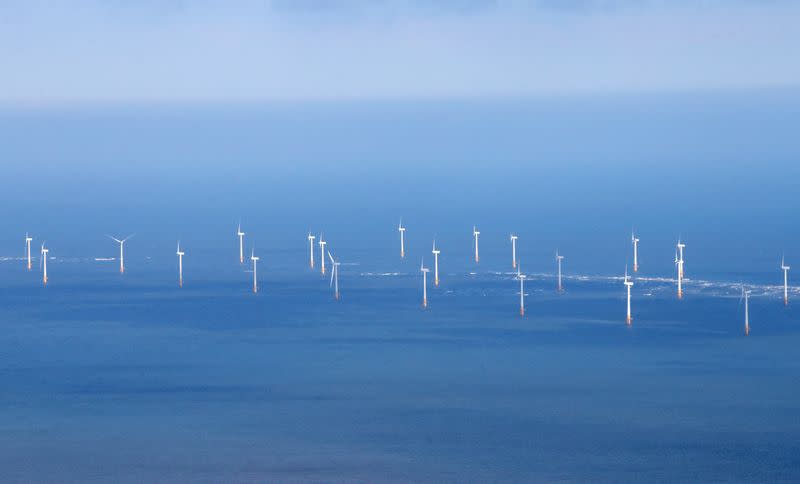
628,284
476,233
121,251
559,258
180,253
746,296
513,251
635,242
679,263
521,278
28,240
435,253
424,271
334,275
785,270
322,252
241,243
254,258
402,231
311,249
44,264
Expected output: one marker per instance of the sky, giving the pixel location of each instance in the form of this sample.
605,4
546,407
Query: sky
564,121
100,52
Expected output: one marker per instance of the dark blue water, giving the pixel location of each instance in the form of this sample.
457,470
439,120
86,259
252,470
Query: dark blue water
131,378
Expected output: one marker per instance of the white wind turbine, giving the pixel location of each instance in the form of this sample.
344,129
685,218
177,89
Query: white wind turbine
475,234
241,243
402,231
44,264
180,254
559,258
254,258
521,278
322,253
28,240
121,243
746,297
628,284
334,275
311,249
513,251
785,270
635,242
424,270
679,263
435,253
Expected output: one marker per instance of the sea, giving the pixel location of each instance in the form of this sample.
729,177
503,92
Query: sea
110,377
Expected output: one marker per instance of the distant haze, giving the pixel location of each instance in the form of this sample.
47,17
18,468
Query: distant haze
218,51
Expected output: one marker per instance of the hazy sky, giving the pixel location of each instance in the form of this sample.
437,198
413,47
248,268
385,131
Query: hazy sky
215,50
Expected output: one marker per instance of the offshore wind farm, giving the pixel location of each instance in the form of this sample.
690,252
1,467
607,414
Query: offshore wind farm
628,281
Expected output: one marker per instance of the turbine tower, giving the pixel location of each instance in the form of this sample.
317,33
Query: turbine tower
121,243
322,253
521,278
180,253
28,240
628,285
559,258
402,231
635,242
424,270
311,249
513,251
785,270
44,264
746,296
241,243
254,258
334,275
475,234
435,253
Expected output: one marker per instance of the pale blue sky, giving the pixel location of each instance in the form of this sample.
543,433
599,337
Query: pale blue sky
218,51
